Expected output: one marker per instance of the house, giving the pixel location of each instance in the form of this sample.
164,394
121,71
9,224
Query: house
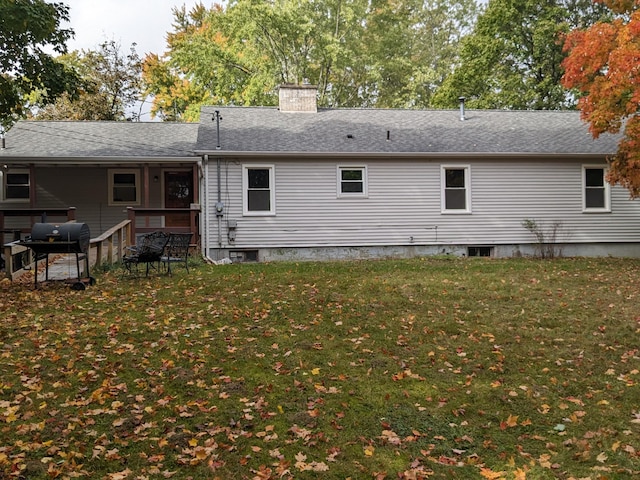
101,169
297,182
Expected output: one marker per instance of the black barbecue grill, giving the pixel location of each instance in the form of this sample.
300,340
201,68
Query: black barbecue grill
66,238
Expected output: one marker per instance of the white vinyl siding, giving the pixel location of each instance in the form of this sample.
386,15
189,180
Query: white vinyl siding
404,205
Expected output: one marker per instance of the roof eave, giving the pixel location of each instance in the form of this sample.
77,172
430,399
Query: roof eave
95,160
480,155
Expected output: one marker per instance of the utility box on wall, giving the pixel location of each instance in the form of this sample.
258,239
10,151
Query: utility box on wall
232,226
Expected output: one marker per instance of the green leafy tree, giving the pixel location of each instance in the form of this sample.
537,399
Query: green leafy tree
411,47
359,53
110,86
27,29
513,57
174,97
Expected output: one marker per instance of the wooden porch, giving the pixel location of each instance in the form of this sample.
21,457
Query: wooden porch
107,248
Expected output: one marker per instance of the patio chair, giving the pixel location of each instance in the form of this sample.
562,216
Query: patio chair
177,250
148,251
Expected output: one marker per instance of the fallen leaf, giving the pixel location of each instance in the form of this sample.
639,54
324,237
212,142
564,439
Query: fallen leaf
490,474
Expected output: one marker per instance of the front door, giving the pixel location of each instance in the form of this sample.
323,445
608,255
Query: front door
178,193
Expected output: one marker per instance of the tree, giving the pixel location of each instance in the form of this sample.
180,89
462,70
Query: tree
513,57
602,65
110,85
361,53
174,97
27,28
412,46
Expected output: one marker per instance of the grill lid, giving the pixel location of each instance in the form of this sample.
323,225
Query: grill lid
67,237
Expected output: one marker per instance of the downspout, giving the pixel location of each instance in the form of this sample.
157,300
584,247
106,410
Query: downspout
219,206
204,196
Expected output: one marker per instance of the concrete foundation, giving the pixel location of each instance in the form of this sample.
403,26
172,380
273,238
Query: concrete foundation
240,255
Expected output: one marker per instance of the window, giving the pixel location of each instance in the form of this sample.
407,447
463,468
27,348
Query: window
17,185
259,191
456,189
480,251
352,181
124,187
596,189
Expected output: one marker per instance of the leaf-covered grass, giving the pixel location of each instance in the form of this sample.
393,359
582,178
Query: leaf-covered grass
424,368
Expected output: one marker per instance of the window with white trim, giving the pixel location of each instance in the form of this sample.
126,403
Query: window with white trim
16,185
124,187
258,185
352,181
456,189
596,193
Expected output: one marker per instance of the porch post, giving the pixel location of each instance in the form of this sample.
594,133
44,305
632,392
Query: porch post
193,223
131,215
196,184
194,215
146,191
2,227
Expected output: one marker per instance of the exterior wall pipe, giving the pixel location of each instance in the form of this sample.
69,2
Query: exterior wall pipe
218,216
204,221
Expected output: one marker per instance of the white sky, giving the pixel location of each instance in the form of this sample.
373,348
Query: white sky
145,22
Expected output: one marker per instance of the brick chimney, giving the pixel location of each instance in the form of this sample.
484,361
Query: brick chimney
298,98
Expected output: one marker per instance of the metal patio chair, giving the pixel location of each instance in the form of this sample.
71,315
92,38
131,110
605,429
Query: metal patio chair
177,250
148,251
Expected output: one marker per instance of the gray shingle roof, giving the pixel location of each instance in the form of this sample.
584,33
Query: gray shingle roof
81,140
412,132
266,130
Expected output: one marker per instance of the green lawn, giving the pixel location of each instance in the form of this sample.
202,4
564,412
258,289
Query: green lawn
410,369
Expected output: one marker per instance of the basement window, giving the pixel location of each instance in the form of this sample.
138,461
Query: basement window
243,256
480,251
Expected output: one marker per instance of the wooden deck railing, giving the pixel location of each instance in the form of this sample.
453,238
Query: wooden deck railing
35,215
110,247
17,257
193,213
105,249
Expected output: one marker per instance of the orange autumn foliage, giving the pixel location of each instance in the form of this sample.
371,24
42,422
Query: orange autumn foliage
603,64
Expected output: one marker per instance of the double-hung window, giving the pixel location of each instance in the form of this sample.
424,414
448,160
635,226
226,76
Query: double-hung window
352,181
124,187
596,194
258,185
456,189
16,185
